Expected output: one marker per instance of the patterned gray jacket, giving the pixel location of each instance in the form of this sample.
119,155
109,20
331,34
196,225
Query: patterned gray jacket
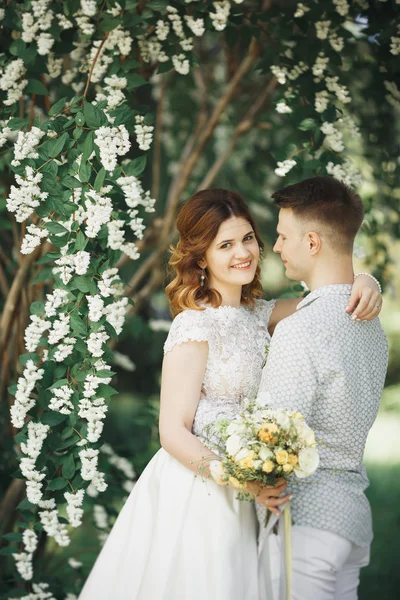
332,369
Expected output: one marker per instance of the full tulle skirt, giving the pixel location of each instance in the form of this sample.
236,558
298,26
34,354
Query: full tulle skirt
178,537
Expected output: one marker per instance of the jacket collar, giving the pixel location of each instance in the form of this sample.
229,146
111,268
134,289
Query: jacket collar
338,289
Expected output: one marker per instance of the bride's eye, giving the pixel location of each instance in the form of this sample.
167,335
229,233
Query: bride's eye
225,245
248,237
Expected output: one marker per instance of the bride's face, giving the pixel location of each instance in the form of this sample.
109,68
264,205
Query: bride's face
232,258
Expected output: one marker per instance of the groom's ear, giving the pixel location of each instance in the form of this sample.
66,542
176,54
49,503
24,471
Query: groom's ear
314,242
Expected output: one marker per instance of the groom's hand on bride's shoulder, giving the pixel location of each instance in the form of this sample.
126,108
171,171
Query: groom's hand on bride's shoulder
270,496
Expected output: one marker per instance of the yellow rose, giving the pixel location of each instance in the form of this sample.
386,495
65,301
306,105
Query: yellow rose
248,461
287,468
236,483
281,457
268,466
293,460
268,432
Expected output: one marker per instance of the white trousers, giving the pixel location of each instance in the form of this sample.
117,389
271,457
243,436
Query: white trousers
325,566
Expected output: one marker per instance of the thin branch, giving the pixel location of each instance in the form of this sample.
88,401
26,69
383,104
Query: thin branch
94,62
246,123
155,188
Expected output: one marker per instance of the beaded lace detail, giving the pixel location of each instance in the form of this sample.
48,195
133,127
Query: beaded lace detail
236,340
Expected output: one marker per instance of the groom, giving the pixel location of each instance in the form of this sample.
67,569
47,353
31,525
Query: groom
331,368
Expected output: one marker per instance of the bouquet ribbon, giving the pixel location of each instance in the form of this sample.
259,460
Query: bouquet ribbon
284,532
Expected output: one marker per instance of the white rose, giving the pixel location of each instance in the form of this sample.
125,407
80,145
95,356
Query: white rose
235,428
265,454
233,444
282,420
263,398
305,433
308,462
241,454
258,464
217,472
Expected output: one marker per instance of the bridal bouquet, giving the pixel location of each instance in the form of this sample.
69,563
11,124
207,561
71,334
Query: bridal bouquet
262,444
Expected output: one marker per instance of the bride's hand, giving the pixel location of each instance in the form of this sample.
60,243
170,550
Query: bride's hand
270,496
366,299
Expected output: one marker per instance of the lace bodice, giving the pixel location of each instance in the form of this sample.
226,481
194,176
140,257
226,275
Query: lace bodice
236,344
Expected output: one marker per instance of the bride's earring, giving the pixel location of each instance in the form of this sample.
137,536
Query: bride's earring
202,278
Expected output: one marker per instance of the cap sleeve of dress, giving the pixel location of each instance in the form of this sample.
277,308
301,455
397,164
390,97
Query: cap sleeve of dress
264,310
188,326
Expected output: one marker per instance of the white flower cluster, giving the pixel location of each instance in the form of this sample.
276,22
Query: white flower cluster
60,328
220,17
333,137
112,142
116,313
74,564
100,516
23,563
322,28
54,65
144,133
25,385
282,107
65,349
297,70
395,45
70,263
89,459
135,195
341,92
54,301
393,97
123,361
34,332
96,305
280,73
33,238
321,101
94,411
121,463
181,64
60,400
336,42
151,50
23,200
110,284
320,65
26,145
39,592
342,7
113,91
74,510
11,82
30,540
301,10
195,25
53,527
37,433
345,173
98,211
284,167
95,342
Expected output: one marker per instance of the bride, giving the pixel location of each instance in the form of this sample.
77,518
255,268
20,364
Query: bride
181,535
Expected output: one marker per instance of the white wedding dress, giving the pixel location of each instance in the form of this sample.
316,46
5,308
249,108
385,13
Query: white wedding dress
179,537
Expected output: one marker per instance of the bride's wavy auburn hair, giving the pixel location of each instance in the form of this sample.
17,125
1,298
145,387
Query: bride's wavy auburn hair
198,223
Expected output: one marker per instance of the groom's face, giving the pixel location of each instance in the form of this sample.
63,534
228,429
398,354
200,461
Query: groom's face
292,245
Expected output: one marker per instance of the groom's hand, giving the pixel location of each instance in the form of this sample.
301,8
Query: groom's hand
270,496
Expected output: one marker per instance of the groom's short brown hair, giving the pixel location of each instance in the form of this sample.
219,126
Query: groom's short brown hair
326,202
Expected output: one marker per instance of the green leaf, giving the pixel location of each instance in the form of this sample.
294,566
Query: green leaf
80,119
58,483
54,227
58,384
44,275
94,117
69,468
306,125
13,536
88,146
135,80
85,171
8,550
17,123
105,390
98,182
80,242
77,133
29,356
49,257
12,389
36,87
51,168
55,147
157,5
136,166
57,107
105,373
52,418
77,324
70,182
37,308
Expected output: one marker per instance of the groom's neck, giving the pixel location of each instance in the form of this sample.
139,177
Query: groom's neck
331,271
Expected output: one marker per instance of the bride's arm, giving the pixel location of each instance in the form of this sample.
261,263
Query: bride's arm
364,302
182,376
